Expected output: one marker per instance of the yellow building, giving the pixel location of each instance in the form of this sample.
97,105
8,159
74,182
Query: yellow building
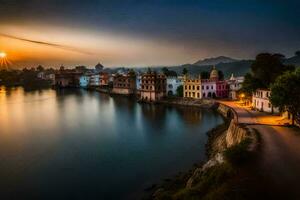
192,87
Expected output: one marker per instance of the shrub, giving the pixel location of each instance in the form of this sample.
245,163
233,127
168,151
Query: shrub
238,154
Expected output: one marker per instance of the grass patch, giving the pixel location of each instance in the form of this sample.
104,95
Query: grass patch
212,180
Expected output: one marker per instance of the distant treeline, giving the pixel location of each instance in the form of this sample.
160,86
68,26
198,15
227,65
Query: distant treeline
28,78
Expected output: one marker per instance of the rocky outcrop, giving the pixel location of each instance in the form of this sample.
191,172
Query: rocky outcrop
235,134
217,159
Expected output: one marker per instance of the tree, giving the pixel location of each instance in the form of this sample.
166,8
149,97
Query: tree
221,75
40,68
168,72
179,91
81,68
297,53
267,67
264,71
165,71
204,75
285,93
250,84
184,71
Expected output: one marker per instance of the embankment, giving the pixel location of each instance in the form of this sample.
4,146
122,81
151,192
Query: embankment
229,146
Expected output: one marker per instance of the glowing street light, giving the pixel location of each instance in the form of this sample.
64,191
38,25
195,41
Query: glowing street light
242,96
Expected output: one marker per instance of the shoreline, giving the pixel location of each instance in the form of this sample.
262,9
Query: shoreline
221,146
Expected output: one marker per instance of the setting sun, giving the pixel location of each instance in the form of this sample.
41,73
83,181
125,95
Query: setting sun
2,54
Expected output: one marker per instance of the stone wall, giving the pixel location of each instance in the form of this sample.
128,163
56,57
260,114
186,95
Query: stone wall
235,134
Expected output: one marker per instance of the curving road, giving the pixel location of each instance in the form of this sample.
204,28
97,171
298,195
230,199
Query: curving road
278,163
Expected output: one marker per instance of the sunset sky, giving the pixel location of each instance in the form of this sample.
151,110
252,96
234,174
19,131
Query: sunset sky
144,33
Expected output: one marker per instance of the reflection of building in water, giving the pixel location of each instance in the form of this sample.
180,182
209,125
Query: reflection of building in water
191,115
156,114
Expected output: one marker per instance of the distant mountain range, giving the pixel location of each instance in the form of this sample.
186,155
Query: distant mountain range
226,64
215,61
295,60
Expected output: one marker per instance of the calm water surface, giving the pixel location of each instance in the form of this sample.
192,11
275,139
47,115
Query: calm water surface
75,144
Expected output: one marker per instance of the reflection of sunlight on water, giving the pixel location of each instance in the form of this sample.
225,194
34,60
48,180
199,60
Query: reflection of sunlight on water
17,95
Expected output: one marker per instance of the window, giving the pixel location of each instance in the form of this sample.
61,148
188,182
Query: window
198,87
269,105
207,87
202,87
193,87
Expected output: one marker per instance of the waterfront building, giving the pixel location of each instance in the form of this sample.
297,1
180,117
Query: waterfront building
214,87
153,87
235,84
67,79
41,75
173,82
222,89
138,84
261,102
138,81
94,80
208,88
84,81
124,83
47,75
192,87
104,78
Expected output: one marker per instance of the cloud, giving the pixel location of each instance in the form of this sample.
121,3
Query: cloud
59,46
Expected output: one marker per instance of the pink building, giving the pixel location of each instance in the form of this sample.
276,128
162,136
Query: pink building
222,89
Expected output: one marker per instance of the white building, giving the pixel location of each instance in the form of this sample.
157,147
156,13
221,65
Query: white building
94,80
208,88
235,84
173,83
47,76
261,102
138,82
84,81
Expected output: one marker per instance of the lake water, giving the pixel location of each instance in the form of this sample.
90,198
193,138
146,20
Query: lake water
76,144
